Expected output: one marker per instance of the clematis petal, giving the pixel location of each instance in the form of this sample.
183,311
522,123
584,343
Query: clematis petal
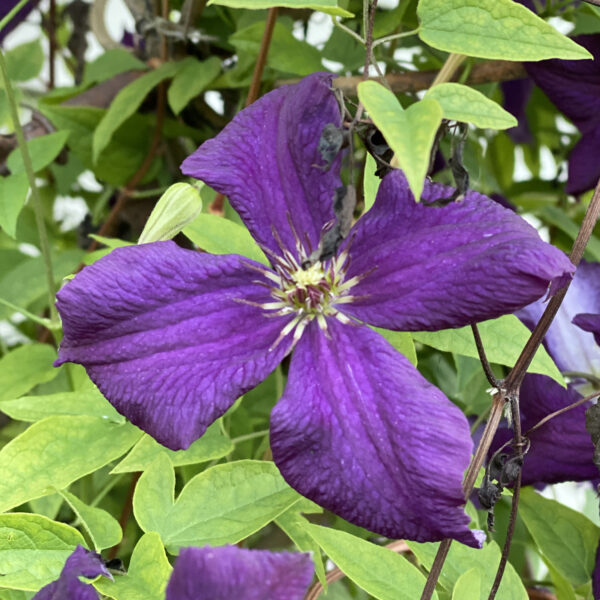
163,334
561,449
267,163
229,572
362,433
590,323
427,267
571,348
516,96
68,586
584,169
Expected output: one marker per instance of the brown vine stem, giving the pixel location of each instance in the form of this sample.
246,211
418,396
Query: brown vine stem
216,206
399,546
513,381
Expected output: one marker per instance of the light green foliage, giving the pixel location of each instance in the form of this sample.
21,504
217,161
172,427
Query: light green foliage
13,194
222,505
111,63
567,539
493,29
42,150
462,103
25,367
377,570
212,445
221,236
103,529
81,402
55,452
327,6
33,550
461,559
409,133
468,586
25,61
401,340
193,77
295,525
126,102
147,576
370,182
503,340
175,209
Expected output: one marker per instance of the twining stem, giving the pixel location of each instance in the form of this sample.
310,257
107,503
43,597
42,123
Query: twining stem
450,67
487,369
216,206
35,196
395,36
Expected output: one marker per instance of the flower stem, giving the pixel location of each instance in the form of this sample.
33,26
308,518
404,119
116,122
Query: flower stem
35,196
395,36
450,66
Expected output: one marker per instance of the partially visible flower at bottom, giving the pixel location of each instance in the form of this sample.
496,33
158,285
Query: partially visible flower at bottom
229,572
173,337
82,563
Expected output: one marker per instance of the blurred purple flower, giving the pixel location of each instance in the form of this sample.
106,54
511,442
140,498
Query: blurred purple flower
516,96
68,586
228,573
172,337
561,450
5,7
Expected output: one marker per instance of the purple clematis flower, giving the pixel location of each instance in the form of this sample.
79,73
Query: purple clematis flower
561,450
68,586
574,87
172,337
5,7
229,572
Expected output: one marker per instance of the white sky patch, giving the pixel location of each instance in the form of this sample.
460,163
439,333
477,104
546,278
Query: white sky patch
69,211
29,250
10,335
561,25
87,180
578,496
405,56
215,101
521,173
565,126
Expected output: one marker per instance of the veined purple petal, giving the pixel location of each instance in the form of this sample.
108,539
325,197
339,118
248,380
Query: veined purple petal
590,323
68,586
431,268
584,167
267,163
231,573
571,348
166,336
362,433
561,449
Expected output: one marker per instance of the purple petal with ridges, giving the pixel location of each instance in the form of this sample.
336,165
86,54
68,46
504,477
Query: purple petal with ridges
596,576
561,449
161,332
430,268
590,323
584,167
571,348
266,162
228,572
68,586
362,433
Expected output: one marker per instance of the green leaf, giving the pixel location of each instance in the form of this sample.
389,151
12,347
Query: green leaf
13,194
468,586
24,368
221,236
177,207
54,452
409,133
286,53
567,539
493,29
126,103
377,570
103,529
295,526
212,445
193,78
112,62
42,150
462,103
370,182
563,589
461,559
88,402
147,576
401,340
25,61
327,6
503,339
222,505
16,595
33,550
